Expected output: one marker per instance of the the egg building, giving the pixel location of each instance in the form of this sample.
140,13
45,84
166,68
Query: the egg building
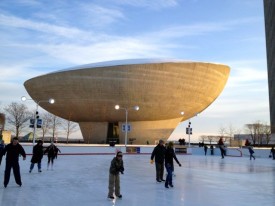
162,89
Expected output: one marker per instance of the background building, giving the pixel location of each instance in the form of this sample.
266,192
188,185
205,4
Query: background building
269,11
162,89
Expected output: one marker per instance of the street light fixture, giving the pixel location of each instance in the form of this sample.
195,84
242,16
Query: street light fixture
117,107
50,101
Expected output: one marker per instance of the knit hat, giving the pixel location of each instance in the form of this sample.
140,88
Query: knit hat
119,153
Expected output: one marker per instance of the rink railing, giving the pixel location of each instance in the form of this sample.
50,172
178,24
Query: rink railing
146,150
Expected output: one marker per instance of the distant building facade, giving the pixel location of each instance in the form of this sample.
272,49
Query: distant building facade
269,12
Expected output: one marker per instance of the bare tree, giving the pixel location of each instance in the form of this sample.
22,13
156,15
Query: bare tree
222,131
17,116
69,127
55,122
252,131
203,138
258,131
230,132
211,138
47,119
267,133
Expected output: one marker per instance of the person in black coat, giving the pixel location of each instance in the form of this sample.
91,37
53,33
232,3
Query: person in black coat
51,151
169,158
116,167
159,153
37,155
57,150
222,148
205,149
13,150
2,146
272,151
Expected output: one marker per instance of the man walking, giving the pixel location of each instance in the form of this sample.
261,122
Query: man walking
13,150
159,154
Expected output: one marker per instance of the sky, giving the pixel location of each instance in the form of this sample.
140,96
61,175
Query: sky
39,37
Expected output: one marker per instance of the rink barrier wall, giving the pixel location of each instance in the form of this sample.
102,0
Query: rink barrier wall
145,150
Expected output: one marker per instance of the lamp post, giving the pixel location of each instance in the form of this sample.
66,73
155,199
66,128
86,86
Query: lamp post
188,129
50,101
117,107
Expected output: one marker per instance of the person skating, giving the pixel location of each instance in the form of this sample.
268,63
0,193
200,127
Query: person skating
272,151
37,155
2,147
222,148
12,152
51,151
169,158
116,167
205,149
251,152
57,150
250,149
159,153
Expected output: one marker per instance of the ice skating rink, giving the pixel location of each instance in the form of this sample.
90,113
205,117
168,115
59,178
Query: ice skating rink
82,180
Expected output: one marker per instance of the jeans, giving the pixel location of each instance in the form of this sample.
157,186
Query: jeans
38,165
169,169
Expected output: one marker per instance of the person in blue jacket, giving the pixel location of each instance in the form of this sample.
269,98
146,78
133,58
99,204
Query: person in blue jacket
13,150
250,149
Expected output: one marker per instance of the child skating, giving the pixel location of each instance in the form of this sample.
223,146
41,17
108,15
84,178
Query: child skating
114,178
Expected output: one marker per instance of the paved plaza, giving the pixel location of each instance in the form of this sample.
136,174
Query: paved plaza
82,180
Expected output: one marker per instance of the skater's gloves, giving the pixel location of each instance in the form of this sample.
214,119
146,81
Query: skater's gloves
179,164
151,161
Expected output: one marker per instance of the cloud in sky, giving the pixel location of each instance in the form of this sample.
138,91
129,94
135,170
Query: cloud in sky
38,38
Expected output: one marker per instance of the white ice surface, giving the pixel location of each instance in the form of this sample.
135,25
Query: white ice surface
82,180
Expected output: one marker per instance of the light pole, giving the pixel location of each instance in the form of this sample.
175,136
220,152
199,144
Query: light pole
51,101
188,129
117,107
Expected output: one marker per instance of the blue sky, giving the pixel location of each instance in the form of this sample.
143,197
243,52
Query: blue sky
39,37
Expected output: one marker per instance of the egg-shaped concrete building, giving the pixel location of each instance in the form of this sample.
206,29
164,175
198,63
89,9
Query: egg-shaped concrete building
161,88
